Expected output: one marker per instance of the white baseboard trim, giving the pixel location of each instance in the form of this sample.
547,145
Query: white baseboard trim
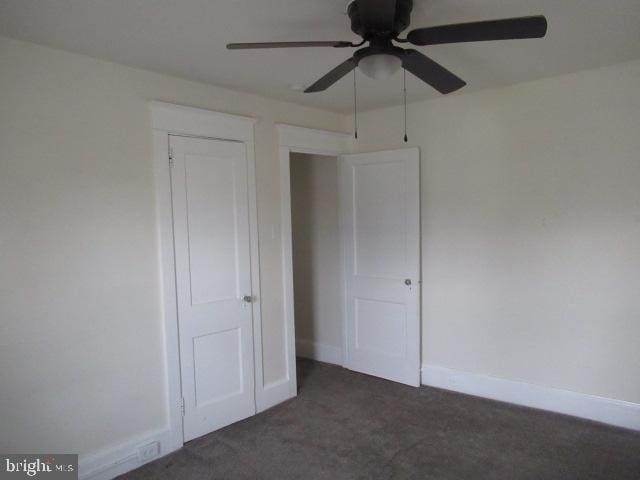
319,352
605,410
274,393
123,458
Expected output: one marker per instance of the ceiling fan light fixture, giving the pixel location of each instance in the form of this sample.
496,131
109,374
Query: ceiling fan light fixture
379,66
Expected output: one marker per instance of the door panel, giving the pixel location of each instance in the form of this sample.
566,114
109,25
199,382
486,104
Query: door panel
217,365
213,250
380,219
376,329
211,231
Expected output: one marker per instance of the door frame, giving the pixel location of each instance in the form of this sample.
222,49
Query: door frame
294,139
169,119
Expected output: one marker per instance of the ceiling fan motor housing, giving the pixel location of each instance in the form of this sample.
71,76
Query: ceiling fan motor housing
369,32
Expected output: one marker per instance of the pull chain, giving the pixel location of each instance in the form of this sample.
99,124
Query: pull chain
355,104
404,91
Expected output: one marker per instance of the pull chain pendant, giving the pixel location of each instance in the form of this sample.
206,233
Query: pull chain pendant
404,91
355,105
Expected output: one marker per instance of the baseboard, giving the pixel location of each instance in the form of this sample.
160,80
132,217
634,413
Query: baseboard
124,457
605,410
319,352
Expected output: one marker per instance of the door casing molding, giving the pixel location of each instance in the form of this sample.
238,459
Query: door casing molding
169,119
300,140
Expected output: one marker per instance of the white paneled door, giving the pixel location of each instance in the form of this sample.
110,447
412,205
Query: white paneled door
380,218
213,277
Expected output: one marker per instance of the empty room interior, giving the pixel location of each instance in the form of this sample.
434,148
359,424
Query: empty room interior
298,239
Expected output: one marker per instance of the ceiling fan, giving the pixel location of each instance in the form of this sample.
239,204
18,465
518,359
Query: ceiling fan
380,22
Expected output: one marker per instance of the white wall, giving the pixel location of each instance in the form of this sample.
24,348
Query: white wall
80,329
316,247
530,228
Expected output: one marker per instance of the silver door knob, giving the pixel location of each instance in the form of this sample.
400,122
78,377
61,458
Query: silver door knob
407,281
247,299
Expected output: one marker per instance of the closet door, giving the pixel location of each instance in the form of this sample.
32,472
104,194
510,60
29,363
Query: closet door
213,277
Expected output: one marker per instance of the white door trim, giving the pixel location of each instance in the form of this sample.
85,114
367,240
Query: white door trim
299,140
169,119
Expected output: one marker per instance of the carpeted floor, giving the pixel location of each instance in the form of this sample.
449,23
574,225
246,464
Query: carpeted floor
345,425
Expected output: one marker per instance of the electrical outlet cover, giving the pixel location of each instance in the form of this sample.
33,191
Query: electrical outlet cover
150,450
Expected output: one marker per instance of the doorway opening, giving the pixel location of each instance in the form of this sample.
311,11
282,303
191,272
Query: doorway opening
317,281
376,196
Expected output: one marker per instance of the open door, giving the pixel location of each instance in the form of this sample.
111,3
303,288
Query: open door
380,229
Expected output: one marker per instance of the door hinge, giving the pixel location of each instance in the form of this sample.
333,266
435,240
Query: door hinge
182,406
170,157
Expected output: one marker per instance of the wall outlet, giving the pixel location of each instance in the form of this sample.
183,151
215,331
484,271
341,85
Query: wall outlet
148,451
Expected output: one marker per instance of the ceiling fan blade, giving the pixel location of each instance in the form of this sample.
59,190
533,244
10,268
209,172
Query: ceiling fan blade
431,72
377,15
246,46
332,77
506,29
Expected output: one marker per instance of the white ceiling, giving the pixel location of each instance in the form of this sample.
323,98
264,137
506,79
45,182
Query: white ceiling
187,38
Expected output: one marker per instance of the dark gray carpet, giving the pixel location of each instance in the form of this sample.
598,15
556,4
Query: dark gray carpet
344,425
